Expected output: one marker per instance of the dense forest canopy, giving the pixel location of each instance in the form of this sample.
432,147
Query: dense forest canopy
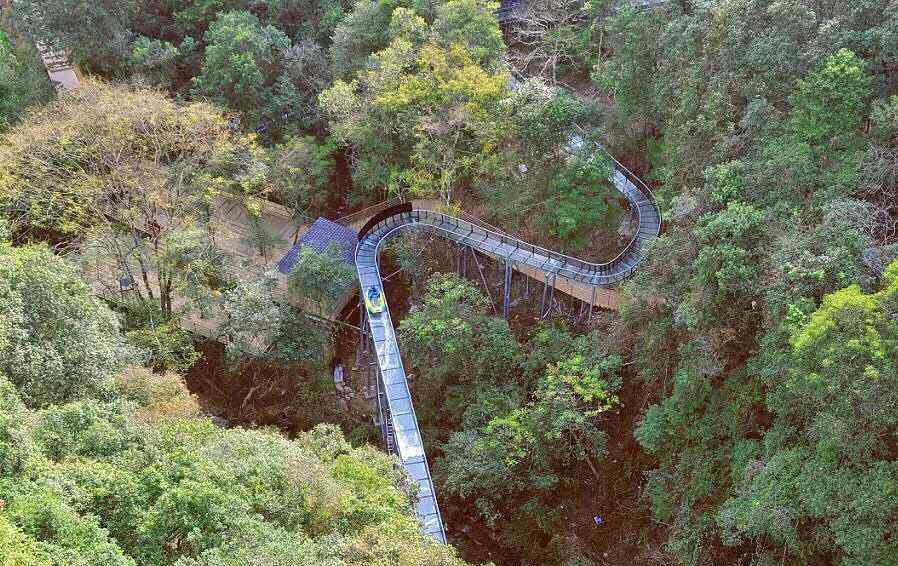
739,408
105,462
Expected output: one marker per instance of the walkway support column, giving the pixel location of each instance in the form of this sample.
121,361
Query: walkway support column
486,286
462,261
545,307
507,297
592,301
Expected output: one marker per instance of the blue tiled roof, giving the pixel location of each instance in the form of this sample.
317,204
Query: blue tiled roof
321,236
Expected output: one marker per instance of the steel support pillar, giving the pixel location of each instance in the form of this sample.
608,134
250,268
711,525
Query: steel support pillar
486,286
580,316
592,301
545,306
507,293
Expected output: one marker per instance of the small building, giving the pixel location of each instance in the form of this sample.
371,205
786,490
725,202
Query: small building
323,236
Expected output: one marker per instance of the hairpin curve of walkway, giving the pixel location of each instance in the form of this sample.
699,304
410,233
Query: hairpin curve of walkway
383,226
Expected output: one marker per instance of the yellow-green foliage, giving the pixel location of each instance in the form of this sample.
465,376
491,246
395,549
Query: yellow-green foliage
423,116
849,310
64,166
16,549
850,321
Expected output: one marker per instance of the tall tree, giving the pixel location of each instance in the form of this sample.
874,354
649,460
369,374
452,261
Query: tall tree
243,61
131,178
96,33
57,343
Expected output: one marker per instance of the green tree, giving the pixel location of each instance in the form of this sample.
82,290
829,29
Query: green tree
139,201
322,278
96,33
629,72
416,102
18,549
57,342
259,325
470,23
525,450
23,81
315,19
429,125
242,63
822,462
301,175
451,336
828,102
583,201
168,345
154,61
362,32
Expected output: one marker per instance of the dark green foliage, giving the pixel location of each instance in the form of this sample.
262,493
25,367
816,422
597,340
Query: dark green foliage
242,64
362,32
23,81
516,421
97,33
755,314
583,202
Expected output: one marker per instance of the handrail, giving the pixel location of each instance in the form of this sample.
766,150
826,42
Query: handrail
383,215
366,212
566,266
632,177
491,240
637,183
596,269
381,228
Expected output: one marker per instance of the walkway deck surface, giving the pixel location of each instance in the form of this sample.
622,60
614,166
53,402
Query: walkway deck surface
62,73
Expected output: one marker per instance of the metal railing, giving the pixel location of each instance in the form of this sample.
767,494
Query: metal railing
368,212
498,243
638,185
382,215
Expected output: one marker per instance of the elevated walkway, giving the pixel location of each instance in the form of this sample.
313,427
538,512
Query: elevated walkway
583,277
